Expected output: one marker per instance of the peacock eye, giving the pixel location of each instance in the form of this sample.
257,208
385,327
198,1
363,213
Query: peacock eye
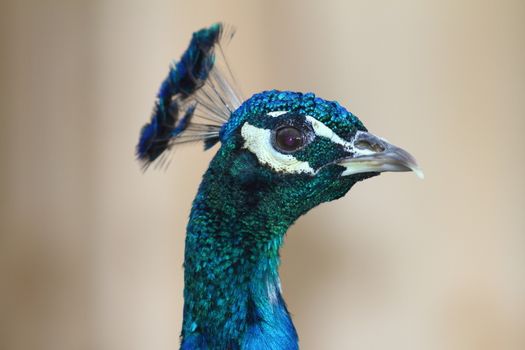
288,139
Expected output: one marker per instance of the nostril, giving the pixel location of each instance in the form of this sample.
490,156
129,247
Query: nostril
372,146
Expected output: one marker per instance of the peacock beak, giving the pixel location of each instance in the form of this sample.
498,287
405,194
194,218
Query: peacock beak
374,154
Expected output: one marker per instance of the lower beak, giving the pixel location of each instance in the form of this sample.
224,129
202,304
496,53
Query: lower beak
374,154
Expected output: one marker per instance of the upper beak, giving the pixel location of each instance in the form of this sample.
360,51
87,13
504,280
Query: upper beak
374,154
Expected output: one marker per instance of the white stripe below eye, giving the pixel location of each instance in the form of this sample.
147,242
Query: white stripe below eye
276,113
258,141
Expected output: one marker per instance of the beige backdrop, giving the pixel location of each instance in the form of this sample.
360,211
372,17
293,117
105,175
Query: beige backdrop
91,248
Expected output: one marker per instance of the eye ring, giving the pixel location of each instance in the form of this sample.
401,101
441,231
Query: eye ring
288,139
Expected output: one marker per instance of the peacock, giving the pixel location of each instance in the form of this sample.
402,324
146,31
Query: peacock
281,154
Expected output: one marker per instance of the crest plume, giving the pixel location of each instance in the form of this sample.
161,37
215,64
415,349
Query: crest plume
201,89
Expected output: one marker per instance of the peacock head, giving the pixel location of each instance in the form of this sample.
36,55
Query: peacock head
305,147
288,150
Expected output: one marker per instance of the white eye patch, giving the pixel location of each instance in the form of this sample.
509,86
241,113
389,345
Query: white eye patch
258,141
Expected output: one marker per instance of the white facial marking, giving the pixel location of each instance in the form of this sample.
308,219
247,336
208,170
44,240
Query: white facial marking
356,168
276,113
322,130
258,141
361,151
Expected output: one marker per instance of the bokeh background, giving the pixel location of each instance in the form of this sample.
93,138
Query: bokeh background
91,248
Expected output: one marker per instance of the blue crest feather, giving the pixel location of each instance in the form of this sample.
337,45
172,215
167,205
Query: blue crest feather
196,88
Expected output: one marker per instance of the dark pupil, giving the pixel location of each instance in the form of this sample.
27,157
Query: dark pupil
289,139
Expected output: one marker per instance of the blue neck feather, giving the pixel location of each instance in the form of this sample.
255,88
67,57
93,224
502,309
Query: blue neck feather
232,290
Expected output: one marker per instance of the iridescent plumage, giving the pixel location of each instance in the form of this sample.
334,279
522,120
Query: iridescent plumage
282,153
196,87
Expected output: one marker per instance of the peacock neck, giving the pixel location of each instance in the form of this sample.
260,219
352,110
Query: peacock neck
232,290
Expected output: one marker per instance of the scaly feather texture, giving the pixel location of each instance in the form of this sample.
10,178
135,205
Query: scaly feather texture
282,153
237,224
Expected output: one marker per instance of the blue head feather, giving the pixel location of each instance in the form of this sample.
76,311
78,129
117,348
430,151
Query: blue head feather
183,81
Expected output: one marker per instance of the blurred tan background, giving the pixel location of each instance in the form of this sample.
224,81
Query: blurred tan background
91,248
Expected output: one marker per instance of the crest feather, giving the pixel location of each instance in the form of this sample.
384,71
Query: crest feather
201,88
